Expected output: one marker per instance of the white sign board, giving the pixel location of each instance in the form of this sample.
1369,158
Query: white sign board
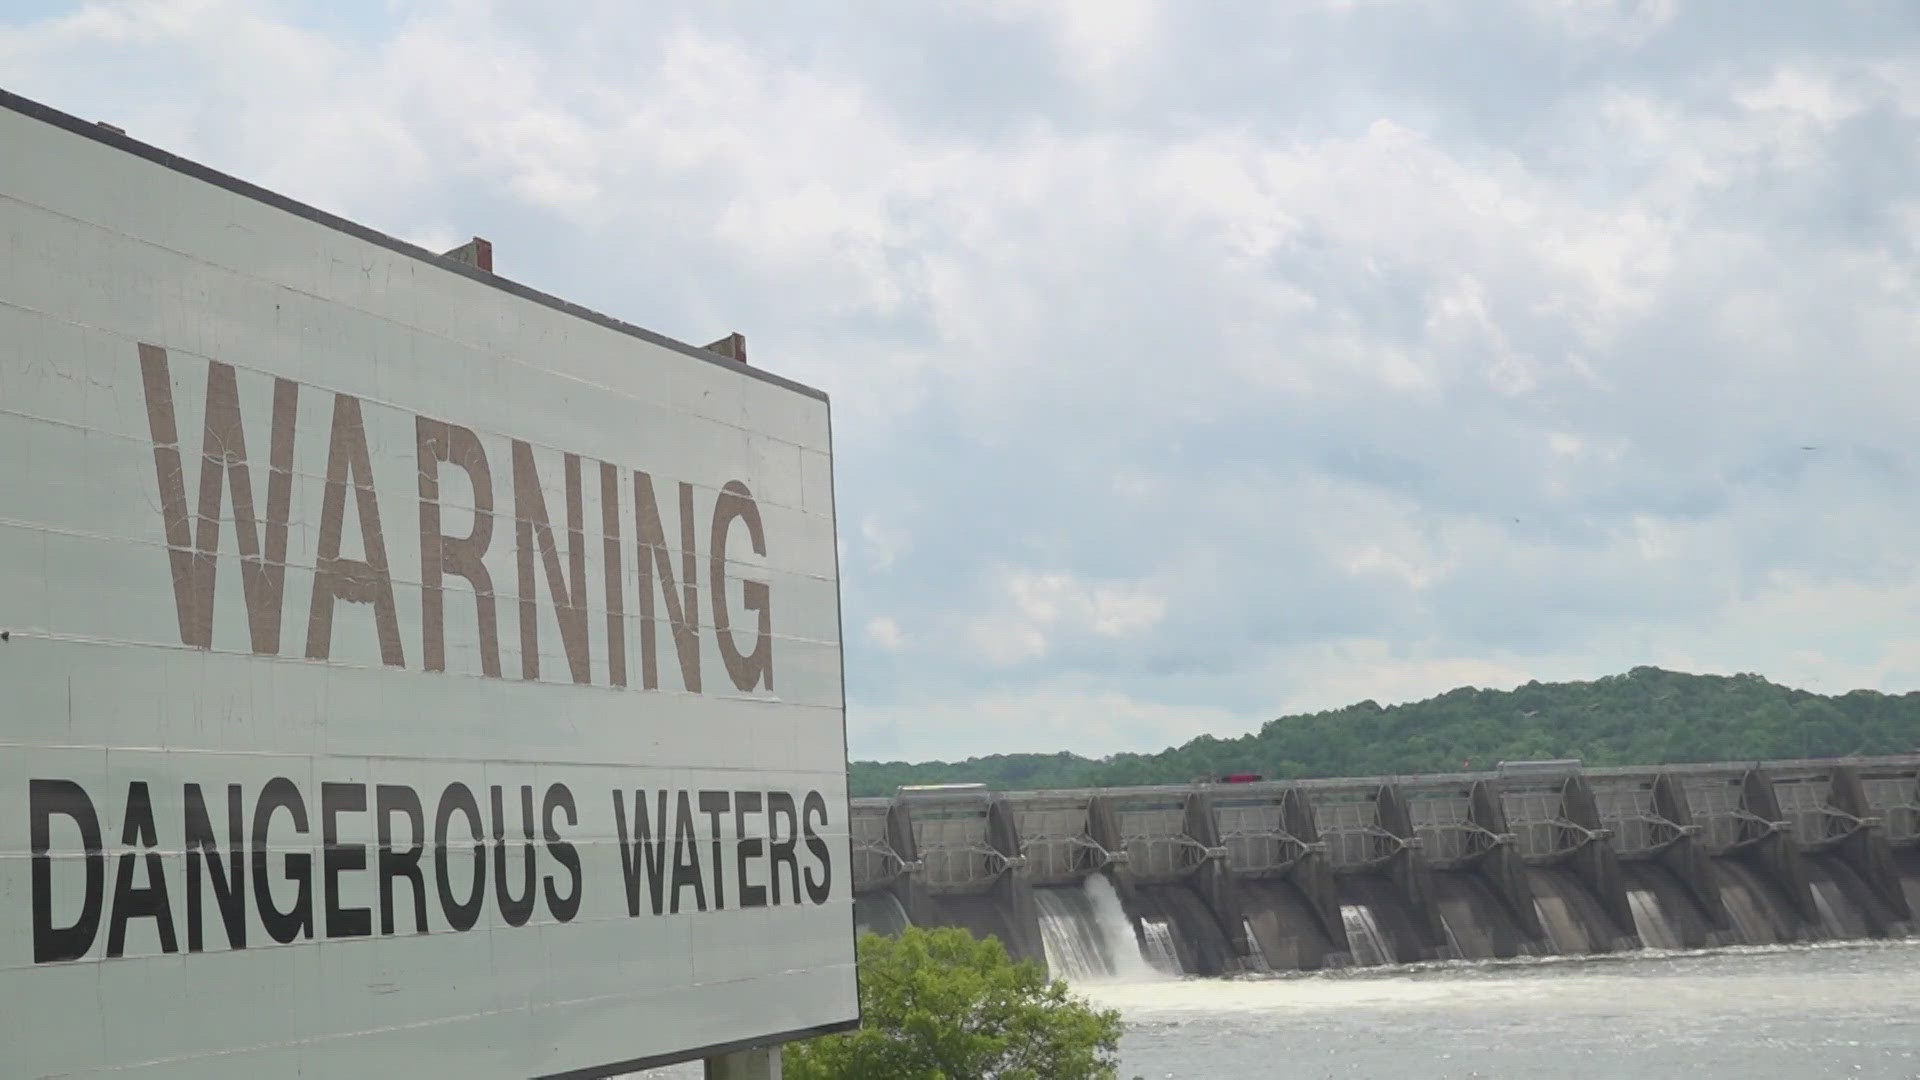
403,673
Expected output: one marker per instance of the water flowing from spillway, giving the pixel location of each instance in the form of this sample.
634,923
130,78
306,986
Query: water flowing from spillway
1566,934
1650,921
1075,950
1838,917
1575,922
1256,960
1848,906
1400,932
1087,935
1199,935
1363,935
1129,960
1156,944
1666,914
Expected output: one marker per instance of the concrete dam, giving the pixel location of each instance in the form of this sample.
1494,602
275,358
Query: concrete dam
1216,879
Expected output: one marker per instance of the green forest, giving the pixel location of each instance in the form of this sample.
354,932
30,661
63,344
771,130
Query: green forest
1647,716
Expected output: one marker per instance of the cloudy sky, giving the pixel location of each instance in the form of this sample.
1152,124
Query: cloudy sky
1192,363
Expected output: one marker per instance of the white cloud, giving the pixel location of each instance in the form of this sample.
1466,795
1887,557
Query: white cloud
1036,607
1097,40
1629,22
1006,641
1222,385
886,633
885,544
1107,609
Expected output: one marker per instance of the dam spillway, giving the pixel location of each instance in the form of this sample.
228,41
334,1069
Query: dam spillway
1214,879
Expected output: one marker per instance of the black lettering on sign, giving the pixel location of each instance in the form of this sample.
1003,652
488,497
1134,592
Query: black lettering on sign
817,891
45,798
229,876
140,903
461,915
516,910
713,804
781,855
282,926
559,798
646,856
337,858
388,800
744,803
781,852
686,857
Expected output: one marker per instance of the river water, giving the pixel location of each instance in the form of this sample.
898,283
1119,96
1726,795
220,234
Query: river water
1844,1010
1755,1013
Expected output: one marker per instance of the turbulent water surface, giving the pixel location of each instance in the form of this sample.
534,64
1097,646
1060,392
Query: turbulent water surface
1847,1010
1841,1010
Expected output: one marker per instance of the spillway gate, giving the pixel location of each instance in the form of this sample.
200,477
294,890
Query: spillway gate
1282,875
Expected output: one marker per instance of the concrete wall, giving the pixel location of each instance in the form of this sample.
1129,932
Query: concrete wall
1547,859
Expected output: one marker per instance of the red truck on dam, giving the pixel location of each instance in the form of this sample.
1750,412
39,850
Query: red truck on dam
418,672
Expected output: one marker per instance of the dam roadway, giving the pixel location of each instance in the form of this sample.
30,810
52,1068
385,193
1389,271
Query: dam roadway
1548,859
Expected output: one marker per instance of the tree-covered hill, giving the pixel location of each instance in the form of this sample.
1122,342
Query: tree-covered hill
1645,717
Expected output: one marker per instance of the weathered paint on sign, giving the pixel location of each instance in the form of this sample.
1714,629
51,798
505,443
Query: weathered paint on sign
404,674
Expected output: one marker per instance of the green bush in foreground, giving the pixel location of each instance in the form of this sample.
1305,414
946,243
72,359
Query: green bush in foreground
941,1005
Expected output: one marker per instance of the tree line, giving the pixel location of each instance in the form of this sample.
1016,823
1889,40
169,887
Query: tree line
1647,716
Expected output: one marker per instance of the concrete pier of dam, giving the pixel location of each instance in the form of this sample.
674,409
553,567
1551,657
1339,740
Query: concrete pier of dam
1541,859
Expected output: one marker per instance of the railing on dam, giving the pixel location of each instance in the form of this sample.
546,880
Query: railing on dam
1603,830
1641,825
953,838
1349,821
875,859
1808,810
1257,838
1449,833
1894,793
1156,833
1062,837
1544,823
1728,820
1150,828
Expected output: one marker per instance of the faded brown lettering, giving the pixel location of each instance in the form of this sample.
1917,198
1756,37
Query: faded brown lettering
465,556
356,581
616,583
683,607
569,600
192,553
191,523
747,671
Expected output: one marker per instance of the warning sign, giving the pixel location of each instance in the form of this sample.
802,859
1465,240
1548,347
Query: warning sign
406,672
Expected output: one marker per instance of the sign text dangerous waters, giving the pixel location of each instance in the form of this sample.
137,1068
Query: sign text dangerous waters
252,871
233,859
